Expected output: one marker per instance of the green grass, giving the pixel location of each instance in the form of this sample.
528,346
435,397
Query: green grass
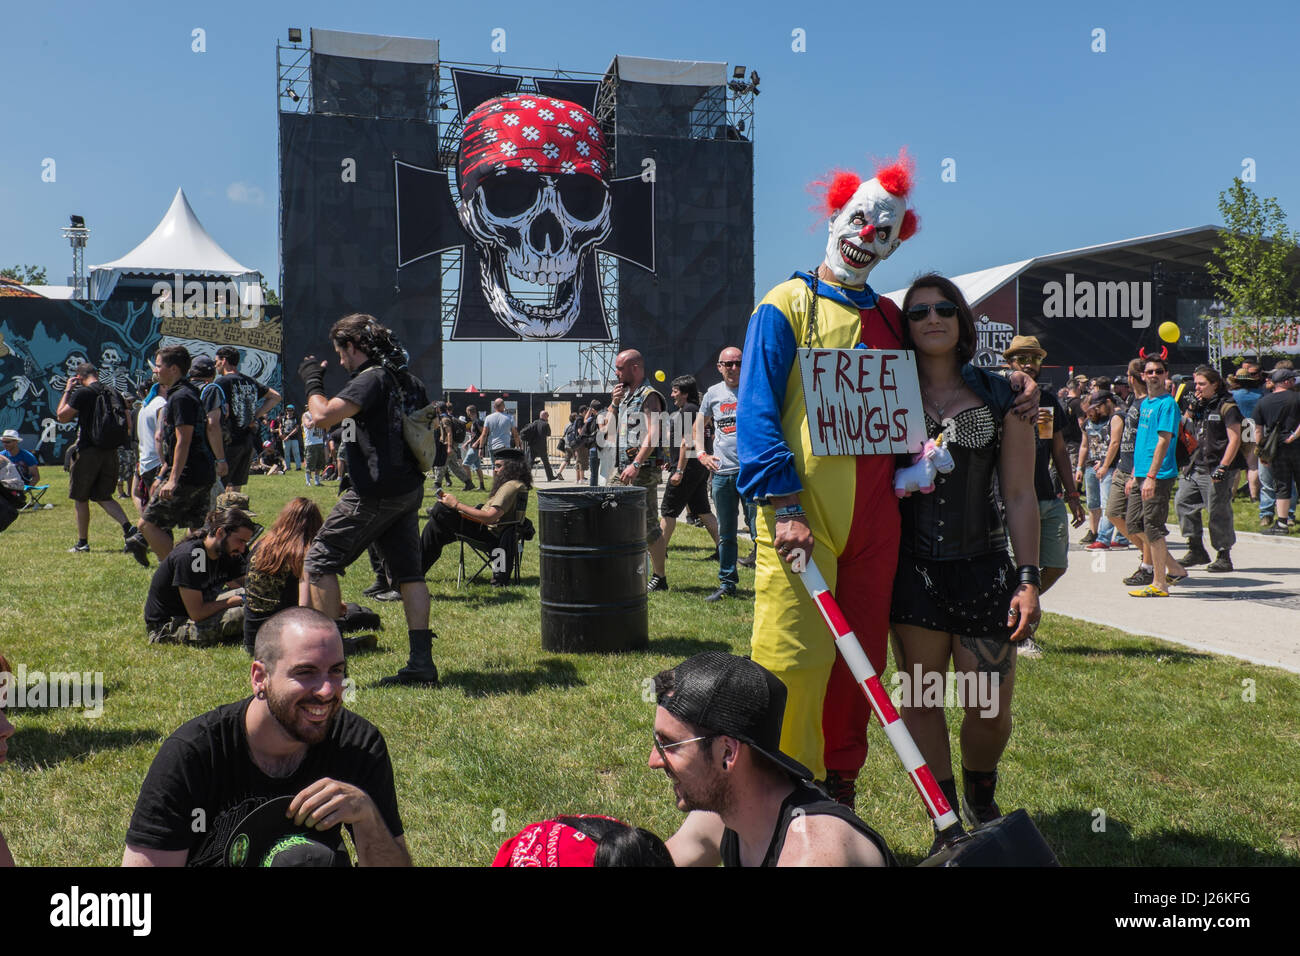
1155,736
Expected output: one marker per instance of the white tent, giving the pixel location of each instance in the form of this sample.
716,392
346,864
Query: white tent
178,244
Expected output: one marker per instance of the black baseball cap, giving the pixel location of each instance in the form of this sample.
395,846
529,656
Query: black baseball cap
203,367
734,696
1281,375
266,837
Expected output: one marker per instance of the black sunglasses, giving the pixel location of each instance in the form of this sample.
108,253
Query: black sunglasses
729,365
944,310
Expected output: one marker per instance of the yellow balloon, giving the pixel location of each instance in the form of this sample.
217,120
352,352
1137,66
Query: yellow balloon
1169,332
660,376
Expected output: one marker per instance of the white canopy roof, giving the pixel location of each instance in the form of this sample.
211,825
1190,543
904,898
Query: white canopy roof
179,243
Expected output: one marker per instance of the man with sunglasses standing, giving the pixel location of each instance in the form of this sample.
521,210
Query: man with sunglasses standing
1154,470
840,511
721,407
1026,355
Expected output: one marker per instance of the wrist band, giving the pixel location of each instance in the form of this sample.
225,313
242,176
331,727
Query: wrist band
789,511
1029,574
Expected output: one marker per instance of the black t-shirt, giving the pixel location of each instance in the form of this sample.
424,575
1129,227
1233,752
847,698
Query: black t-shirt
1044,487
1279,409
379,463
1211,425
83,400
804,800
1073,433
185,408
244,395
178,570
204,782
682,426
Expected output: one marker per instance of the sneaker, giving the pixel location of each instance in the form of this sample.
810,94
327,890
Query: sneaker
978,816
721,593
942,840
1089,538
843,790
129,532
1150,591
657,583
1193,557
1029,648
137,548
387,596
750,559
1276,528
1222,563
1097,546
1265,522
79,549
1120,545
425,677
1140,577
468,487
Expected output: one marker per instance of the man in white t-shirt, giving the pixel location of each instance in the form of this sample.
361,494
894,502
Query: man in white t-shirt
147,429
720,406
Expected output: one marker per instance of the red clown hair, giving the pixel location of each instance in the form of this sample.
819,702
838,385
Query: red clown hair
838,187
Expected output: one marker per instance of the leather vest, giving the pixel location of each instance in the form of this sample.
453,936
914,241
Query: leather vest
633,422
961,518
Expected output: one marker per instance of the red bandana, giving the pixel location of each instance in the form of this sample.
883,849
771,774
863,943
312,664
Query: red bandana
530,133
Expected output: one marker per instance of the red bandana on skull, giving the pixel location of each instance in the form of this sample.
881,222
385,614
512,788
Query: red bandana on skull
532,133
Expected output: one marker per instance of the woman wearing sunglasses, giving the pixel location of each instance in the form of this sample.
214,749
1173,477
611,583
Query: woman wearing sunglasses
958,595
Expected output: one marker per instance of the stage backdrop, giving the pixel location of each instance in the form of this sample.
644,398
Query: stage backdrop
42,341
339,239
701,294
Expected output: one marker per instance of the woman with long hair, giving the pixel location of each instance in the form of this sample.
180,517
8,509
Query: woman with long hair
958,595
275,576
511,477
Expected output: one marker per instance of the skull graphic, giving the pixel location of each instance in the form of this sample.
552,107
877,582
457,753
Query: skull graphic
533,177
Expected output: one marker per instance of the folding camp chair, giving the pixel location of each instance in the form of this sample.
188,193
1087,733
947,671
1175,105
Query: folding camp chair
508,538
34,495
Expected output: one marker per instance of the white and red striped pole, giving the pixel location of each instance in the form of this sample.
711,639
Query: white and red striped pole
935,803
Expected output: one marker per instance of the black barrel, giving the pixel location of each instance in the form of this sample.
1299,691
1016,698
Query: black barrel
593,568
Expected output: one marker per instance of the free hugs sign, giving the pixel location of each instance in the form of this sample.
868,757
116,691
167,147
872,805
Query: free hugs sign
862,401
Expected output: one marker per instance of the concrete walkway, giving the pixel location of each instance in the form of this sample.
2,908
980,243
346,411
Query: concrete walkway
1251,613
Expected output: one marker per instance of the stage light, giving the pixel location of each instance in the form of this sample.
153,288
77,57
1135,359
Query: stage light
78,222
292,94
738,73
295,35
753,80
741,126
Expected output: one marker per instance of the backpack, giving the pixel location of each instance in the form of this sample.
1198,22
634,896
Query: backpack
108,427
225,410
528,434
457,431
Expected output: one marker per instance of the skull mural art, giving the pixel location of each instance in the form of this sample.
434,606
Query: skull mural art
533,180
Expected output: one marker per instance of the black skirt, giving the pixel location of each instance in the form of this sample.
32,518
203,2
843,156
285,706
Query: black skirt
968,596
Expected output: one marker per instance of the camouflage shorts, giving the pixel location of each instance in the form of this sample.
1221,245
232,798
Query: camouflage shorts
224,628
186,508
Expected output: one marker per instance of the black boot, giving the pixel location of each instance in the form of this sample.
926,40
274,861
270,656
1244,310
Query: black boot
1195,554
1222,562
977,803
840,788
419,669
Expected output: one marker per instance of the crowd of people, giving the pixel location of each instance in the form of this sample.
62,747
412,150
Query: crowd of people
762,754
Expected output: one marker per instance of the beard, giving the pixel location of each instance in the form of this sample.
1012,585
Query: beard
286,712
713,794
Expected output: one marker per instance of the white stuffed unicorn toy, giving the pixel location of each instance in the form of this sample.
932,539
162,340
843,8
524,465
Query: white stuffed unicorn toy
931,460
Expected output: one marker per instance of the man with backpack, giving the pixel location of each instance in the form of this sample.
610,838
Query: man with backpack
248,400
181,494
216,413
101,419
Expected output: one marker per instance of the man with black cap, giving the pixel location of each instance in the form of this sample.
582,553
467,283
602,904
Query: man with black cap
512,476
717,735
292,739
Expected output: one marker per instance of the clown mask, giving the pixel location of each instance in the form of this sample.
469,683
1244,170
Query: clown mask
867,230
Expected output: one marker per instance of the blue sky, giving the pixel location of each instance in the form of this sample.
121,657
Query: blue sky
1056,146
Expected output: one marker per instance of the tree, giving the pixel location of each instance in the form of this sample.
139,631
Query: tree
27,275
1253,272
268,295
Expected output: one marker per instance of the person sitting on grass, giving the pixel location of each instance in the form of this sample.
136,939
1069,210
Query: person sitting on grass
6,731
276,580
292,739
717,736
185,603
449,517
583,840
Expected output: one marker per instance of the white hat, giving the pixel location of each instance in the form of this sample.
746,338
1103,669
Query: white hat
11,433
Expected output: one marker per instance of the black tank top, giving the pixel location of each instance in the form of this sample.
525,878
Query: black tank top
812,802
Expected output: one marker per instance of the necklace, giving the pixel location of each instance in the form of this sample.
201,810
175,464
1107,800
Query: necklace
942,408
